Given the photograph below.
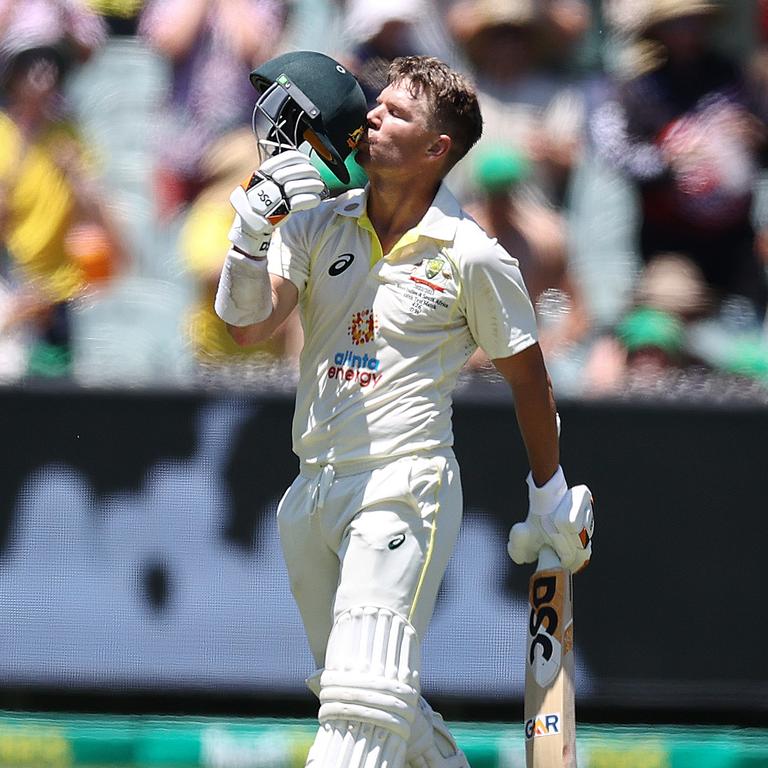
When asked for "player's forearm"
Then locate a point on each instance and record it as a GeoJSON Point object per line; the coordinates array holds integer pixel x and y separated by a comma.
{"type": "Point", "coordinates": [537, 418]}
{"type": "Point", "coordinates": [535, 408]}
{"type": "Point", "coordinates": [278, 304]}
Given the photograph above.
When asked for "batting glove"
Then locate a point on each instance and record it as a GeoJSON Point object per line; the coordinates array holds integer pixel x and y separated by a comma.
{"type": "Point", "coordinates": [283, 184]}
{"type": "Point", "coordinates": [559, 517]}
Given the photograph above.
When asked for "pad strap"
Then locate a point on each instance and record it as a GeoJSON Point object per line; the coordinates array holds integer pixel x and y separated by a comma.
{"type": "Point", "coordinates": [431, 744]}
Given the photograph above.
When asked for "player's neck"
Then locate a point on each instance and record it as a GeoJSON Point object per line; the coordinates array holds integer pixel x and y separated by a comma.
{"type": "Point", "coordinates": [395, 208]}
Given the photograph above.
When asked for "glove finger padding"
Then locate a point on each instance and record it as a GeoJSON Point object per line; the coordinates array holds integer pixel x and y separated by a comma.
{"type": "Point", "coordinates": [574, 526]}
{"type": "Point", "coordinates": [283, 184]}
{"type": "Point", "coordinates": [293, 171]}
{"type": "Point", "coordinates": [304, 202]}
{"type": "Point", "coordinates": [251, 209]}
{"type": "Point", "coordinates": [303, 194]}
{"type": "Point", "coordinates": [303, 191]}
{"type": "Point", "coordinates": [525, 541]}
{"type": "Point", "coordinates": [300, 170]}
{"type": "Point", "coordinates": [282, 160]}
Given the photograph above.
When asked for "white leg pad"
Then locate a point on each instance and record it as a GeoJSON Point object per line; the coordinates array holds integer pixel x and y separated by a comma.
{"type": "Point", "coordinates": [347, 744]}
{"type": "Point", "coordinates": [431, 744]}
{"type": "Point", "coordinates": [369, 691]}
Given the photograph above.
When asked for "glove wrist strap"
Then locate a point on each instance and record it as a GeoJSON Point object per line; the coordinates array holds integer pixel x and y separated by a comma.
{"type": "Point", "coordinates": [247, 255]}
{"type": "Point", "coordinates": [252, 245]}
{"type": "Point", "coordinates": [544, 499]}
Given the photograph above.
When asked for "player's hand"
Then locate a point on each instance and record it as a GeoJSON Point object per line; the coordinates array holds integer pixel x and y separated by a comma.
{"type": "Point", "coordinates": [559, 517]}
{"type": "Point", "coordinates": [527, 538]}
{"type": "Point", "coordinates": [283, 184]}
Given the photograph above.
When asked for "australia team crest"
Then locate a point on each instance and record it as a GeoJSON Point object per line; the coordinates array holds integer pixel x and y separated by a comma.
{"type": "Point", "coordinates": [433, 273]}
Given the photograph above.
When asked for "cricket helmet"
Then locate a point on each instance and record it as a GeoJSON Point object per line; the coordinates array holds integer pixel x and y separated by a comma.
{"type": "Point", "coordinates": [308, 96]}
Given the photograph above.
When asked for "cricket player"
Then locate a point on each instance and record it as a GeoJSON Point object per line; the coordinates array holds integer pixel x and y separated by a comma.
{"type": "Point", "coordinates": [396, 286]}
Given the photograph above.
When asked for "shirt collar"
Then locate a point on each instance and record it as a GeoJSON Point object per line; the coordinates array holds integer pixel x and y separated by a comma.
{"type": "Point", "coordinates": [438, 223]}
{"type": "Point", "coordinates": [442, 217]}
{"type": "Point", "coordinates": [352, 204]}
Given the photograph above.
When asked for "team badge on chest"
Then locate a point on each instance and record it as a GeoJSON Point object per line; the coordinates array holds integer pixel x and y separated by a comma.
{"type": "Point", "coordinates": [433, 267]}
{"type": "Point", "coordinates": [432, 273]}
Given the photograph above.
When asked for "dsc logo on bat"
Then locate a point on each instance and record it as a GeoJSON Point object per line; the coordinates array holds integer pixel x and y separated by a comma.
{"type": "Point", "coordinates": [542, 725]}
{"type": "Point", "coordinates": [548, 639]}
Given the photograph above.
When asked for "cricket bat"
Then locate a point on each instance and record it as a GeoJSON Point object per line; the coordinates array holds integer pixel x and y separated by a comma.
{"type": "Point", "coordinates": [550, 711]}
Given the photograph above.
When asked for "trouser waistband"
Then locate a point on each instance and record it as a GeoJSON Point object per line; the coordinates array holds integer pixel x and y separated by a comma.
{"type": "Point", "coordinates": [346, 468]}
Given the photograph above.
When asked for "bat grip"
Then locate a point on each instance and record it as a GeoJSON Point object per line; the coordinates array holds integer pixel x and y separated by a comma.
{"type": "Point", "coordinates": [548, 559]}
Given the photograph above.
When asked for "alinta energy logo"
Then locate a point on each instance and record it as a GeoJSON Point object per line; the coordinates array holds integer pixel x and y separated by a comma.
{"type": "Point", "coordinates": [362, 369]}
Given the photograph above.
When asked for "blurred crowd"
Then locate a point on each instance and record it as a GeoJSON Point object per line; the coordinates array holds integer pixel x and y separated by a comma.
{"type": "Point", "coordinates": [622, 162]}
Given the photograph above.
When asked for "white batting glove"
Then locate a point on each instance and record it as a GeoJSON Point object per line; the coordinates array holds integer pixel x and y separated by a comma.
{"type": "Point", "coordinates": [558, 517]}
{"type": "Point", "coordinates": [527, 538]}
{"type": "Point", "coordinates": [283, 184]}
{"type": "Point", "coordinates": [574, 523]}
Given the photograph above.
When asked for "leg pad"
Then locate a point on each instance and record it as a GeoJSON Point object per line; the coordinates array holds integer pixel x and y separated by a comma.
{"type": "Point", "coordinates": [371, 670]}
{"type": "Point", "coordinates": [369, 691]}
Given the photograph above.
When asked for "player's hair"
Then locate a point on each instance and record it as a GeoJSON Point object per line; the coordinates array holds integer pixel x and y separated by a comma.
{"type": "Point", "coordinates": [452, 100]}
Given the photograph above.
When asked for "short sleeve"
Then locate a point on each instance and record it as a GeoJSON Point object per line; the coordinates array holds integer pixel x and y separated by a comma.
{"type": "Point", "coordinates": [498, 309]}
{"type": "Point", "coordinates": [288, 254]}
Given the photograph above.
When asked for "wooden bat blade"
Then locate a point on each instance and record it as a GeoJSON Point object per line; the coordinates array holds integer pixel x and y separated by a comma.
{"type": "Point", "coordinates": [550, 711]}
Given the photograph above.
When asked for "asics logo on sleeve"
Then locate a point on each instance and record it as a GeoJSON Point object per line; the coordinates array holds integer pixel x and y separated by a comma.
{"type": "Point", "coordinates": [341, 264]}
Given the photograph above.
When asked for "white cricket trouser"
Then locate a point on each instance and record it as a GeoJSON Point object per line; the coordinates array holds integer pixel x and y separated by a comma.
{"type": "Point", "coordinates": [375, 537]}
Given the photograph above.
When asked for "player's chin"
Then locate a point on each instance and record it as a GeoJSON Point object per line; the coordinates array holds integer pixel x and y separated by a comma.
{"type": "Point", "coordinates": [363, 153]}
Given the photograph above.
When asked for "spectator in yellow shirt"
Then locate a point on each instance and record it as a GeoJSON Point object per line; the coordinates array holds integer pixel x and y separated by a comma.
{"type": "Point", "coordinates": [53, 225]}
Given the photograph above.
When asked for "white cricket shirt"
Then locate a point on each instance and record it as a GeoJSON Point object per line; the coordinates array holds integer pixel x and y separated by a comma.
{"type": "Point", "coordinates": [387, 334]}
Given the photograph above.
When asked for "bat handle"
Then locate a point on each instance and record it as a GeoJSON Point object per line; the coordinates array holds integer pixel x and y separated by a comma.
{"type": "Point", "coordinates": [548, 559]}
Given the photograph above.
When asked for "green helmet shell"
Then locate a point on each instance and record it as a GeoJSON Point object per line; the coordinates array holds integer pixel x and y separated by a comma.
{"type": "Point", "coordinates": [340, 115]}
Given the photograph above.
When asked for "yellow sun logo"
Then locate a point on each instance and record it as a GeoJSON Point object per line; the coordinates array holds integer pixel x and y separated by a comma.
{"type": "Point", "coordinates": [363, 327]}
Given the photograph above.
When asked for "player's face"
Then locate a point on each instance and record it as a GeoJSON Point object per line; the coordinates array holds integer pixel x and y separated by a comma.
{"type": "Point", "coordinates": [398, 135]}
